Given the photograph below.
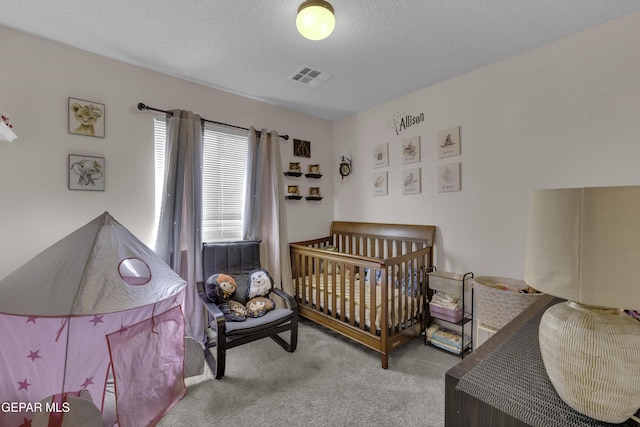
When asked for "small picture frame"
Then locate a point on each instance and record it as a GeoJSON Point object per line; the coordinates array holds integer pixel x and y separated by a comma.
{"type": "Point", "coordinates": [411, 150]}
{"type": "Point", "coordinates": [411, 181]}
{"type": "Point", "coordinates": [449, 142]}
{"type": "Point", "coordinates": [86, 173]}
{"type": "Point", "coordinates": [295, 167]}
{"type": "Point", "coordinates": [86, 117]}
{"type": "Point", "coordinates": [293, 190]}
{"type": "Point", "coordinates": [314, 191]}
{"type": "Point", "coordinates": [379, 184]}
{"type": "Point", "coordinates": [381, 155]}
{"type": "Point", "coordinates": [449, 178]}
{"type": "Point", "coordinates": [314, 169]}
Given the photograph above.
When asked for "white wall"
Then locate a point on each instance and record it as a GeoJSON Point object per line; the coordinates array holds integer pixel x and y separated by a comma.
{"type": "Point", "coordinates": [564, 115]}
{"type": "Point", "coordinates": [36, 208]}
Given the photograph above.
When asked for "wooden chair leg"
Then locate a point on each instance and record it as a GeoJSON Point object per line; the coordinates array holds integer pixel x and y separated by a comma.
{"type": "Point", "coordinates": [222, 358]}
{"type": "Point", "coordinates": [293, 341]}
{"type": "Point", "coordinates": [293, 338]}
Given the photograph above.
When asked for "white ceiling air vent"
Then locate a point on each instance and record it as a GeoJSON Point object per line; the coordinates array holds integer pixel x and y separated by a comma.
{"type": "Point", "coordinates": [309, 77]}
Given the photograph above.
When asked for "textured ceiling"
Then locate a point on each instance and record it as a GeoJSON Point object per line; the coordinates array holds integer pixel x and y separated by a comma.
{"type": "Point", "coordinates": [380, 49]}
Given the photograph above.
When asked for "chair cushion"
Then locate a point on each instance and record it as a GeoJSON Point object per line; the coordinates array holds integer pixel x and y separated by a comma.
{"type": "Point", "coordinates": [236, 259]}
{"type": "Point", "coordinates": [279, 315]}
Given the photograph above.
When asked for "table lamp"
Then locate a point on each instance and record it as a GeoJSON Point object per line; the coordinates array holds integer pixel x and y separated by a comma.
{"type": "Point", "coordinates": [583, 245]}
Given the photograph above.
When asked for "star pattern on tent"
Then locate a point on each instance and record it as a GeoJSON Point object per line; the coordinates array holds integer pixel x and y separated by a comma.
{"type": "Point", "coordinates": [24, 385]}
{"type": "Point", "coordinates": [33, 355]}
{"type": "Point", "coordinates": [87, 382]}
{"type": "Point", "coordinates": [96, 319]}
{"type": "Point", "coordinates": [31, 319]}
{"type": "Point", "coordinates": [26, 423]}
{"type": "Point", "coordinates": [122, 329]}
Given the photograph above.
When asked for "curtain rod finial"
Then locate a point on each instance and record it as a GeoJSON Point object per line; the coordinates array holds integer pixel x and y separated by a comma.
{"type": "Point", "coordinates": [141, 106]}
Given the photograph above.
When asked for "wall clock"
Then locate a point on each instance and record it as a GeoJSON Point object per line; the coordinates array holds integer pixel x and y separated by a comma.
{"type": "Point", "coordinates": [345, 167]}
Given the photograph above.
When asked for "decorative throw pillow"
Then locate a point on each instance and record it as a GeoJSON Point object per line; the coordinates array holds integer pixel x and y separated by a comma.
{"type": "Point", "coordinates": [233, 311]}
{"type": "Point", "coordinates": [219, 288]}
{"type": "Point", "coordinates": [259, 306]}
{"type": "Point", "coordinates": [260, 283]}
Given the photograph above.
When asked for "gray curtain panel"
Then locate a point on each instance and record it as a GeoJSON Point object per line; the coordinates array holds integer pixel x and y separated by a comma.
{"type": "Point", "coordinates": [265, 209]}
{"type": "Point", "coordinates": [179, 240]}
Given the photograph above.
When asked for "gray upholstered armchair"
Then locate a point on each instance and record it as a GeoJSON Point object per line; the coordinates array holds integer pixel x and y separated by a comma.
{"type": "Point", "coordinates": [238, 259]}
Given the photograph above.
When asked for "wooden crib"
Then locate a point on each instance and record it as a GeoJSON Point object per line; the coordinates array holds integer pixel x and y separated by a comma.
{"type": "Point", "coordinates": [366, 281]}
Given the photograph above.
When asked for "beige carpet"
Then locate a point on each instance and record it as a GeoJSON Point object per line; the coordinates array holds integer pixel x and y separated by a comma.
{"type": "Point", "coordinates": [328, 381]}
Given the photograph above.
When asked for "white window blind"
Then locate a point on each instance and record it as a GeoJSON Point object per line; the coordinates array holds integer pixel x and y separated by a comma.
{"type": "Point", "coordinates": [223, 179]}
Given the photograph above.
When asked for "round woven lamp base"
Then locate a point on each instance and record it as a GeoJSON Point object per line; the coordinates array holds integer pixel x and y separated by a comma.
{"type": "Point", "coordinates": [592, 357]}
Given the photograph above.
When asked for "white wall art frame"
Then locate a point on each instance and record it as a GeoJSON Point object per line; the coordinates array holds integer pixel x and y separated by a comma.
{"type": "Point", "coordinates": [411, 182]}
{"type": "Point", "coordinates": [86, 117]}
{"type": "Point", "coordinates": [411, 150]}
{"type": "Point", "coordinates": [381, 155]}
{"type": "Point", "coordinates": [379, 184]}
{"type": "Point", "coordinates": [86, 173]}
{"type": "Point", "coordinates": [449, 177]}
{"type": "Point", "coordinates": [448, 142]}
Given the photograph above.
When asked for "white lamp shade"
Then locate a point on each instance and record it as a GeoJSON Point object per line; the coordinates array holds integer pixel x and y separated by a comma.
{"type": "Point", "coordinates": [315, 19]}
{"type": "Point", "coordinates": [583, 245]}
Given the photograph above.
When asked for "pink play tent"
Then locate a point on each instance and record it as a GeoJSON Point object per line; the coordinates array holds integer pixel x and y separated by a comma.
{"type": "Point", "coordinates": [97, 314]}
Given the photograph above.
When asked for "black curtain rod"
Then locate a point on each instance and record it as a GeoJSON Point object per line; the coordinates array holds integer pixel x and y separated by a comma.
{"type": "Point", "coordinates": [142, 107]}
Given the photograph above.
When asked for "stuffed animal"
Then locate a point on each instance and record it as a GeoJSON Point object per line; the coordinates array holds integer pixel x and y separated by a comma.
{"type": "Point", "coordinates": [233, 311]}
{"type": "Point", "coordinates": [259, 306]}
{"type": "Point", "coordinates": [260, 283]}
{"type": "Point", "coordinates": [260, 286]}
{"type": "Point", "coordinates": [220, 287]}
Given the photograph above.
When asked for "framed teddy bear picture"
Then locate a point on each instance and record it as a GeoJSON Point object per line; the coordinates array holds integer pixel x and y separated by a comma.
{"type": "Point", "coordinates": [86, 118]}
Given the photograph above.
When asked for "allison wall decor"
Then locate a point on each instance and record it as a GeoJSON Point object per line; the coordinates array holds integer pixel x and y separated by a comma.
{"type": "Point", "coordinates": [86, 118]}
{"type": "Point", "coordinates": [86, 173]}
{"type": "Point", "coordinates": [411, 150]}
{"type": "Point", "coordinates": [449, 142]}
{"type": "Point", "coordinates": [449, 177]}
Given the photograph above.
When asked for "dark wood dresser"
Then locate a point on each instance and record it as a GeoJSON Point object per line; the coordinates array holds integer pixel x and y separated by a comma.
{"type": "Point", "coordinates": [503, 382]}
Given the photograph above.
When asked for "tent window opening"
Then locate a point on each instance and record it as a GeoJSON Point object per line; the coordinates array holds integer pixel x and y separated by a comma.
{"type": "Point", "coordinates": [223, 178]}
{"type": "Point", "coordinates": [134, 271]}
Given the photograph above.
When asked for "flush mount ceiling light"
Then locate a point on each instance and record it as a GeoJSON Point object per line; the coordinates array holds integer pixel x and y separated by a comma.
{"type": "Point", "coordinates": [315, 19]}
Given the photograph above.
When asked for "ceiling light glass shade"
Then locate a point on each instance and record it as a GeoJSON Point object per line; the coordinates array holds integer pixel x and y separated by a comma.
{"type": "Point", "coordinates": [315, 19]}
{"type": "Point", "coordinates": [583, 245]}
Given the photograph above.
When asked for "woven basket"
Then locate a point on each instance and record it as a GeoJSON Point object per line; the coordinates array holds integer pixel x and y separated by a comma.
{"type": "Point", "coordinates": [496, 307]}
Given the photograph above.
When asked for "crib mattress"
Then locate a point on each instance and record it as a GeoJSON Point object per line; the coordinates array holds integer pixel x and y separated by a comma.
{"type": "Point", "coordinates": [401, 304]}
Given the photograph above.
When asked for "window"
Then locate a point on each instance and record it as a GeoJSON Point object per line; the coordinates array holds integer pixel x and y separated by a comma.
{"type": "Point", "coordinates": [223, 176]}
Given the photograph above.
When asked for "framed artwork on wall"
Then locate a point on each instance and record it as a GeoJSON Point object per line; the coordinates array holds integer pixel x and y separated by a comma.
{"type": "Point", "coordinates": [381, 155]}
{"type": "Point", "coordinates": [301, 148]}
{"type": "Point", "coordinates": [86, 173]}
{"type": "Point", "coordinates": [411, 181]}
{"type": "Point", "coordinates": [449, 177]}
{"type": "Point", "coordinates": [86, 117]}
{"type": "Point", "coordinates": [380, 185]}
{"type": "Point", "coordinates": [411, 150]}
{"type": "Point", "coordinates": [449, 142]}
